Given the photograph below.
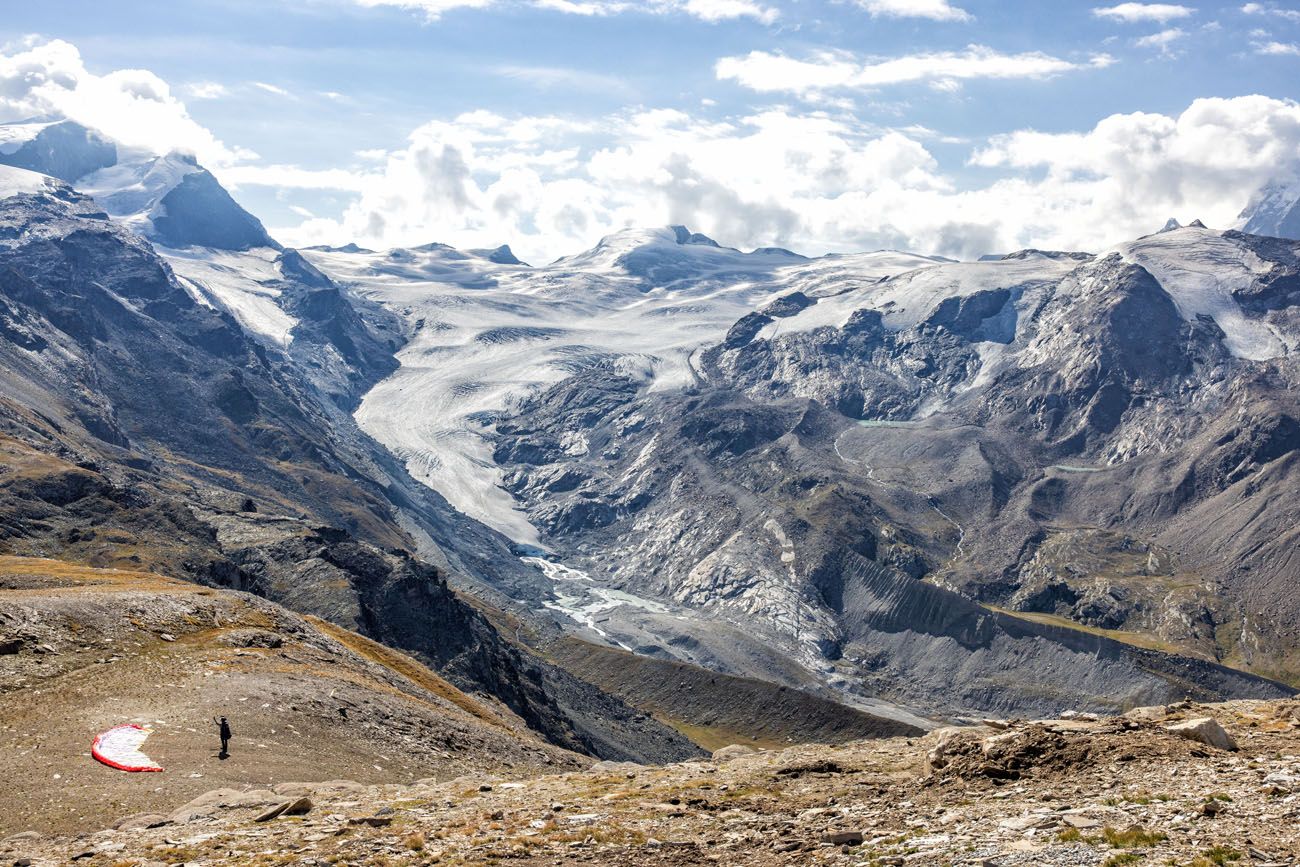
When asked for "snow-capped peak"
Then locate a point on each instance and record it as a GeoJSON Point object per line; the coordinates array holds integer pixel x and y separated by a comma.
{"type": "Point", "coordinates": [62, 149]}
{"type": "Point", "coordinates": [1275, 210]}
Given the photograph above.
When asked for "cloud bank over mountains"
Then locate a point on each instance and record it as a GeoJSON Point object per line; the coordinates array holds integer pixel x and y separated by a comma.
{"type": "Point", "coordinates": [813, 180]}
{"type": "Point", "coordinates": [40, 78]}
{"type": "Point", "coordinates": [807, 176]}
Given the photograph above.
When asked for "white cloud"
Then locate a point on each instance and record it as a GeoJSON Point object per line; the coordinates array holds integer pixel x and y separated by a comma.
{"type": "Point", "coordinates": [432, 9]}
{"type": "Point", "coordinates": [705, 10]}
{"type": "Point", "coordinates": [937, 10]}
{"type": "Point", "coordinates": [205, 90]}
{"type": "Point", "coordinates": [1278, 49]}
{"type": "Point", "coordinates": [550, 77]}
{"type": "Point", "coordinates": [1131, 12]}
{"type": "Point", "coordinates": [272, 89]}
{"type": "Point", "coordinates": [1162, 41]}
{"type": "Point", "coordinates": [829, 70]}
{"type": "Point", "coordinates": [133, 106]}
{"type": "Point", "coordinates": [812, 180]}
{"type": "Point", "coordinates": [1271, 9]}
{"type": "Point", "coordinates": [722, 10]}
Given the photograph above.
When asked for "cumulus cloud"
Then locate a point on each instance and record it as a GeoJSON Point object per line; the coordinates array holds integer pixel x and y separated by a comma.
{"type": "Point", "coordinates": [205, 90]}
{"type": "Point", "coordinates": [1271, 9]}
{"type": "Point", "coordinates": [133, 106]}
{"type": "Point", "coordinates": [829, 70]}
{"type": "Point", "coordinates": [1134, 12]}
{"type": "Point", "coordinates": [705, 10]}
{"type": "Point", "coordinates": [813, 180]}
{"type": "Point", "coordinates": [1278, 49]}
{"type": "Point", "coordinates": [937, 10]}
{"type": "Point", "coordinates": [1162, 41]}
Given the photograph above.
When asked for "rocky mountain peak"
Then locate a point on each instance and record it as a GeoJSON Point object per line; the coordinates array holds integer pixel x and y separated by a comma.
{"type": "Point", "coordinates": [1274, 210]}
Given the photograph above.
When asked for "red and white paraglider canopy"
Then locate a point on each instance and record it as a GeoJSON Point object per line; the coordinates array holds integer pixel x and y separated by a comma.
{"type": "Point", "coordinates": [119, 747]}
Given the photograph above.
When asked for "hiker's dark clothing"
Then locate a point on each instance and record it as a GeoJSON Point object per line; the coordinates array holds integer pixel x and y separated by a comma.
{"type": "Point", "coordinates": [225, 737]}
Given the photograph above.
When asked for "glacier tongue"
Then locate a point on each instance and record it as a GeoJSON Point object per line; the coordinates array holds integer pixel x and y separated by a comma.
{"type": "Point", "coordinates": [484, 335]}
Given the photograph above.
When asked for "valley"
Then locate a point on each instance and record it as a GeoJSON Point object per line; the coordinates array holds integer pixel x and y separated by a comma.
{"type": "Point", "coordinates": [457, 517]}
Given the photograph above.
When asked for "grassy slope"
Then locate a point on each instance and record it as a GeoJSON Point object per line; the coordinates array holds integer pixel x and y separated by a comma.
{"type": "Point", "coordinates": [715, 710]}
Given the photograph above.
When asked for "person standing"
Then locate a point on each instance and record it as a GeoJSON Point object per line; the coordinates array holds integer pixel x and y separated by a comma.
{"type": "Point", "coordinates": [223, 729]}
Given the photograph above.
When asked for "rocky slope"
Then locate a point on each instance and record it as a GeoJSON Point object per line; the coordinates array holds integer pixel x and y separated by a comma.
{"type": "Point", "coordinates": [1052, 793]}
{"type": "Point", "coordinates": [1095, 442]}
{"type": "Point", "coordinates": [715, 710]}
{"type": "Point", "coordinates": [744, 510]}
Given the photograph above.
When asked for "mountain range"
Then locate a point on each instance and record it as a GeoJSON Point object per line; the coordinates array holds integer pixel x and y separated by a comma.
{"type": "Point", "coordinates": [904, 487]}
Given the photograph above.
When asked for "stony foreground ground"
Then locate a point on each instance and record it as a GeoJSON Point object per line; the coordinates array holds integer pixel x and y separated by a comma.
{"type": "Point", "coordinates": [1121, 791]}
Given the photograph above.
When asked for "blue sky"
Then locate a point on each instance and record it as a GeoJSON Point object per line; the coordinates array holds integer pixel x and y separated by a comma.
{"type": "Point", "coordinates": [544, 123]}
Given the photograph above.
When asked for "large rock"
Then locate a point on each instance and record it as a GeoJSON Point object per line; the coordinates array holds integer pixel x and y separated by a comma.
{"type": "Point", "coordinates": [207, 804]}
{"type": "Point", "coordinates": [296, 807]}
{"type": "Point", "coordinates": [1206, 731]}
{"type": "Point", "coordinates": [944, 739]}
{"type": "Point", "coordinates": [734, 751]}
{"type": "Point", "coordinates": [141, 821]}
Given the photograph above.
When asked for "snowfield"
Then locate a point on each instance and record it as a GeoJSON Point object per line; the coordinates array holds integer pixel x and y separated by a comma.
{"type": "Point", "coordinates": [237, 282]}
{"type": "Point", "coordinates": [909, 297]}
{"type": "Point", "coordinates": [18, 182]}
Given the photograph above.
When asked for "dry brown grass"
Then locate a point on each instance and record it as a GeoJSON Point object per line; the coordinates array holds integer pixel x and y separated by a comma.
{"type": "Point", "coordinates": [408, 668]}
{"type": "Point", "coordinates": [60, 574]}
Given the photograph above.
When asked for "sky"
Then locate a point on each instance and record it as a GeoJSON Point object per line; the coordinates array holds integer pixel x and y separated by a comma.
{"type": "Point", "coordinates": [951, 127]}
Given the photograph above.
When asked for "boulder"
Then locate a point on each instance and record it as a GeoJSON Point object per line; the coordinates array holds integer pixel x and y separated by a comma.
{"type": "Point", "coordinates": [300, 807]}
{"type": "Point", "coordinates": [944, 739]}
{"type": "Point", "coordinates": [296, 807]}
{"type": "Point", "coordinates": [1025, 823]}
{"type": "Point", "coordinates": [1283, 782]}
{"type": "Point", "coordinates": [141, 821]}
{"type": "Point", "coordinates": [608, 766]}
{"type": "Point", "coordinates": [372, 821]}
{"type": "Point", "coordinates": [734, 751]}
{"type": "Point", "coordinates": [1205, 730]}
{"type": "Point", "coordinates": [204, 806]}
{"type": "Point", "coordinates": [1149, 713]}
{"type": "Point", "coordinates": [1081, 822]}
{"type": "Point", "coordinates": [251, 638]}
{"type": "Point", "coordinates": [844, 838]}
